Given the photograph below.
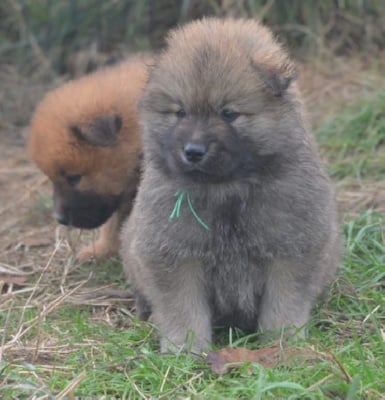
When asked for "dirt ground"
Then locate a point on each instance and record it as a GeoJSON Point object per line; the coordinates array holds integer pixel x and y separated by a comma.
{"type": "Point", "coordinates": [30, 240]}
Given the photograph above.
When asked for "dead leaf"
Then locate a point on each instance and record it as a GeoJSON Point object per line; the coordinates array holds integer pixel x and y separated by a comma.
{"type": "Point", "coordinates": [225, 359]}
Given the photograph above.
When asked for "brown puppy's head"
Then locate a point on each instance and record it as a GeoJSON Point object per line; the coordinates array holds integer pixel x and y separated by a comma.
{"type": "Point", "coordinates": [85, 137]}
{"type": "Point", "coordinates": [86, 208]}
{"type": "Point", "coordinates": [219, 104]}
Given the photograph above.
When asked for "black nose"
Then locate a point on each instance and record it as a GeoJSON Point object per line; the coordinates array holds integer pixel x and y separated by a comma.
{"type": "Point", "coordinates": [194, 152]}
{"type": "Point", "coordinates": [61, 218]}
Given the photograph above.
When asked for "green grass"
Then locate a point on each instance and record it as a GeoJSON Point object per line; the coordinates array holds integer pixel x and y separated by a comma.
{"type": "Point", "coordinates": [105, 351]}
{"type": "Point", "coordinates": [124, 362]}
{"type": "Point", "coordinates": [354, 141]}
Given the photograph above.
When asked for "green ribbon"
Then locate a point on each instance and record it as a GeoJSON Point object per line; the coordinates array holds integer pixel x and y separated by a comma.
{"type": "Point", "coordinates": [181, 194]}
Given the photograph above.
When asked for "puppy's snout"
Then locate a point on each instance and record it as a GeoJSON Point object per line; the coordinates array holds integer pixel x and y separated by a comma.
{"type": "Point", "coordinates": [194, 152]}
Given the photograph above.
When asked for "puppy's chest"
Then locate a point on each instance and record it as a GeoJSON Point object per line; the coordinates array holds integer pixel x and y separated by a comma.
{"type": "Point", "coordinates": [234, 290]}
{"type": "Point", "coordinates": [234, 270]}
{"type": "Point", "coordinates": [215, 232]}
{"type": "Point", "coordinates": [234, 267]}
{"type": "Point", "coordinates": [216, 237]}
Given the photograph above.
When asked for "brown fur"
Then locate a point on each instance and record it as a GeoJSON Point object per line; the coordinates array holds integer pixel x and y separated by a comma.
{"type": "Point", "coordinates": [223, 123]}
{"type": "Point", "coordinates": [108, 171]}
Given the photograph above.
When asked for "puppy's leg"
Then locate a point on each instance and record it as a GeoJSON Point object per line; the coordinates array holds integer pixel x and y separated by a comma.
{"type": "Point", "coordinates": [107, 243]}
{"type": "Point", "coordinates": [290, 290]}
{"type": "Point", "coordinates": [180, 309]}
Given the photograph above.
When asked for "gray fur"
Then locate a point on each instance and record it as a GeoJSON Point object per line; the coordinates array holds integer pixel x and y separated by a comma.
{"type": "Point", "coordinates": [273, 239]}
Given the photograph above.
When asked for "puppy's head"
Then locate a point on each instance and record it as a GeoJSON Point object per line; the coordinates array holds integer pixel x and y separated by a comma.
{"type": "Point", "coordinates": [81, 167]}
{"type": "Point", "coordinates": [85, 137]}
{"type": "Point", "coordinates": [220, 103]}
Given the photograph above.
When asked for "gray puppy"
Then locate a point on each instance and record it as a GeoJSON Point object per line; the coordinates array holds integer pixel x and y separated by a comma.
{"type": "Point", "coordinates": [235, 219]}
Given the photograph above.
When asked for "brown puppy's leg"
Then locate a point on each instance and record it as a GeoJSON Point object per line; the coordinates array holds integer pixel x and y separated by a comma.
{"type": "Point", "coordinates": [107, 243]}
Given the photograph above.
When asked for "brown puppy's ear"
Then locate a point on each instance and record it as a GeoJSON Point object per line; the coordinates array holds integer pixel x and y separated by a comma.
{"type": "Point", "coordinates": [102, 131]}
{"type": "Point", "coordinates": [276, 76]}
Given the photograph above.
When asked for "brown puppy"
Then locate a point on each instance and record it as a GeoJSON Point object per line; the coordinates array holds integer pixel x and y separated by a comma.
{"type": "Point", "coordinates": [85, 137]}
{"type": "Point", "coordinates": [251, 237]}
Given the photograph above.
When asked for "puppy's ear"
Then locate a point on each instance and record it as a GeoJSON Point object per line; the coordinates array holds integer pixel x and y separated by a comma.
{"type": "Point", "coordinates": [101, 131]}
{"type": "Point", "coordinates": [277, 76]}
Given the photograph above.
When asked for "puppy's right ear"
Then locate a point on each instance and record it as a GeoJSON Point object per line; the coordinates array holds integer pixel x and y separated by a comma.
{"type": "Point", "coordinates": [277, 75]}
{"type": "Point", "coordinates": [101, 131]}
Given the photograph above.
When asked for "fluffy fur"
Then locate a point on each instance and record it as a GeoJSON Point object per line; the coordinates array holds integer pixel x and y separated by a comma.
{"type": "Point", "coordinates": [223, 124]}
{"type": "Point", "coordinates": [86, 138]}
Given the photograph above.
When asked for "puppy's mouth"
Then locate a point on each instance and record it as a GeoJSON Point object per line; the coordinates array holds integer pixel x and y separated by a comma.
{"type": "Point", "coordinates": [197, 175]}
{"type": "Point", "coordinates": [198, 169]}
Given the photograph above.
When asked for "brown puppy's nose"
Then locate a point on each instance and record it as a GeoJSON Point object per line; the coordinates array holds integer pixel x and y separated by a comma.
{"type": "Point", "coordinates": [194, 152]}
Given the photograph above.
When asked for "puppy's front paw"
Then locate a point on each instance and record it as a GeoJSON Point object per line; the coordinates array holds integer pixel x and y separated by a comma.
{"type": "Point", "coordinates": [190, 344]}
{"type": "Point", "coordinates": [96, 252]}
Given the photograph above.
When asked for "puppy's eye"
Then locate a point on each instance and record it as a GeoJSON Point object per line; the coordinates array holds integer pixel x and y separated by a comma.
{"type": "Point", "coordinates": [73, 180]}
{"type": "Point", "coordinates": [181, 113]}
{"type": "Point", "coordinates": [229, 115]}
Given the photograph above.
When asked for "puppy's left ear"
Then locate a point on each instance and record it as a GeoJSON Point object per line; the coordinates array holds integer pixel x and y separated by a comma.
{"type": "Point", "coordinates": [101, 131]}
{"type": "Point", "coordinates": [277, 75]}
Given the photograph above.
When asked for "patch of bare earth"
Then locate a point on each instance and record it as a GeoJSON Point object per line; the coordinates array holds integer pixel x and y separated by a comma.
{"type": "Point", "coordinates": [37, 268]}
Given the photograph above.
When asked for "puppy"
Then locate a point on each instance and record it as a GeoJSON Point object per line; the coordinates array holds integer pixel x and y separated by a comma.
{"type": "Point", "coordinates": [235, 220]}
{"type": "Point", "coordinates": [86, 138]}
